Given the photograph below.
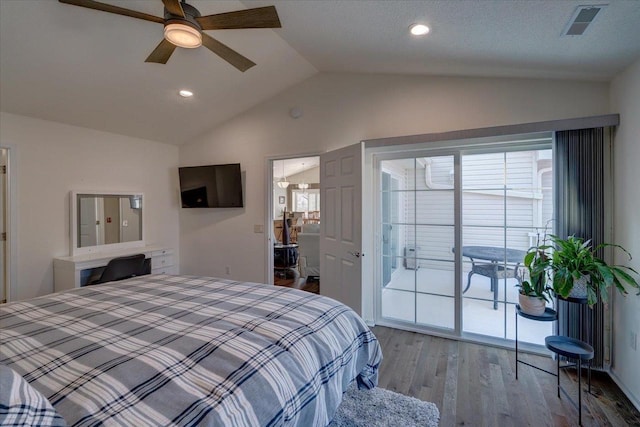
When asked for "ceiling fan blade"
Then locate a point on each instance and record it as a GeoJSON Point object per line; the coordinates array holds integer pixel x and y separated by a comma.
{"type": "Point", "coordinates": [174, 7]}
{"type": "Point", "coordinates": [259, 17]}
{"type": "Point", "coordinates": [162, 52]}
{"type": "Point", "coordinates": [113, 9]}
{"type": "Point", "coordinates": [226, 53]}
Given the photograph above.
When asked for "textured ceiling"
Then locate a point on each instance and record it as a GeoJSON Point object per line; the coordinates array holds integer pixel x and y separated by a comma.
{"type": "Point", "coordinates": [86, 68]}
{"type": "Point", "coordinates": [515, 38]}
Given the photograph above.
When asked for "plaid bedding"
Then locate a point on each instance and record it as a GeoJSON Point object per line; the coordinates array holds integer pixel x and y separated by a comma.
{"type": "Point", "coordinates": [22, 405]}
{"type": "Point", "coordinates": [188, 351]}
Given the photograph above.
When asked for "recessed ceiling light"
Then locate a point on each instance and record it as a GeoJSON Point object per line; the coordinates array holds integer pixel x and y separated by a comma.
{"type": "Point", "coordinates": [186, 93]}
{"type": "Point", "coordinates": [419, 29]}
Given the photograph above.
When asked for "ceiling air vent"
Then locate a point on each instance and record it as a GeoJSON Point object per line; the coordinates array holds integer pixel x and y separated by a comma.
{"type": "Point", "coordinates": [582, 18]}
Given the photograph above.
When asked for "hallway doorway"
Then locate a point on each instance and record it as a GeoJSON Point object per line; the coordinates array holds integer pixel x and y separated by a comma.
{"type": "Point", "coordinates": [295, 222]}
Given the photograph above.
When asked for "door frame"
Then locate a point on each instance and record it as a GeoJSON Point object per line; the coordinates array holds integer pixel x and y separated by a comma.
{"type": "Point", "coordinates": [373, 156]}
{"type": "Point", "coordinates": [11, 214]}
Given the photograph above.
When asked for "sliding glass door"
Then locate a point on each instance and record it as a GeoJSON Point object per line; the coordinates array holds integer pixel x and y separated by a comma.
{"type": "Point", "coordinates": [417, 229]}
{"type": "Point", "coordinates": [502, 203]}
{"type": "Point", "coordinates": [506, 204]}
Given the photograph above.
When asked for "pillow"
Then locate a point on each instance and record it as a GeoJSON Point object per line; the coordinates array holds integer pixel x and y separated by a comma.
{"type": "Point", "coordinates": [23, 405]}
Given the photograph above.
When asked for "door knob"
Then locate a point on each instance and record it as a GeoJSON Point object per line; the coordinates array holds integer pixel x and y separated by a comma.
{"type": "Point", "coordinates": [356, 254]}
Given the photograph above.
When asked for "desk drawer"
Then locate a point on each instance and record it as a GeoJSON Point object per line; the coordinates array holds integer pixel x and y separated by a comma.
{"type": "Point", "coordinates": [165, 270]}
{"type": "Point", "coordinates": [161, 252]}
{"type": "Point", "coordinates": [161, 261]}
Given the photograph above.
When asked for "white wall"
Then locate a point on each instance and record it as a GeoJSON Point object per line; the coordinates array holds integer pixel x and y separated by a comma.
{"type": "Point", "coordinates": [625, 99]}
{"type": "Point", "coordinates": [343, 109]}
{"type": "Point", "coordinates": [52, 159]}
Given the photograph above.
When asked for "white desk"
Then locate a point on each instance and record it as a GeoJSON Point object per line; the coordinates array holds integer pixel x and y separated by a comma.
{"type": "Point", "coordinates": [72, 271]}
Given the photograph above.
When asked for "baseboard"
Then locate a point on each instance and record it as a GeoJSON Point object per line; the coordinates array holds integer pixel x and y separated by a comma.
{"type": "Point", "coordinates": [633, 398]}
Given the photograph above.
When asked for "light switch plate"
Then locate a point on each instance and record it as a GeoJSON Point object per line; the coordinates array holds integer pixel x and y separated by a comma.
{"type": "Point", "coordinates": [258, 228]}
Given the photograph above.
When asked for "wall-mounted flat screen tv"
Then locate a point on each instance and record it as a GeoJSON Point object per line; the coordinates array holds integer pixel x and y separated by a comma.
{"type": "Point", "coordinates": [212, 186]}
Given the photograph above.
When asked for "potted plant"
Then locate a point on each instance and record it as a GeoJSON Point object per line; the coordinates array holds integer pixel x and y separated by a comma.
{"type": "Point", "coordinates": [578, 272]}
{"type": "Point", "coordinates": [534, 293]}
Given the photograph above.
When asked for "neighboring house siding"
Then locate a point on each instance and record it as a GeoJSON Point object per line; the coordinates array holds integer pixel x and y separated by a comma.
{"type": "Point", "coordinates": [433, 210]}
{"type": "Point", "coordinates": [483, 211]}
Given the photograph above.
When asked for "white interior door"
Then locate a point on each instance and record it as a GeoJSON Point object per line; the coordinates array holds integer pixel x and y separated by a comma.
{"type": "Point", "coordinates": [341, 225]}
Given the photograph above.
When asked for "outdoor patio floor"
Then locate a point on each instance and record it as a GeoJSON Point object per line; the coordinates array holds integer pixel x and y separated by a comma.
{"type": "Point", "coordinates": [433, 305]}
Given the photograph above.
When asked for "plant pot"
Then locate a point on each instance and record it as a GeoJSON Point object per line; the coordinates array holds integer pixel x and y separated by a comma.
{"type": "Point", "coordinates": [579, 289]}
{"type": "Point", "coordinates": [533, 306]}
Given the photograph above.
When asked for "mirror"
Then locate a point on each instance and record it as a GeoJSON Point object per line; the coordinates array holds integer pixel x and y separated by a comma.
{"type": "Point", "coordinates": [106, 221]}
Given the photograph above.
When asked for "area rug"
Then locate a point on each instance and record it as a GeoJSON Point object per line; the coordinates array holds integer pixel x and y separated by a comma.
{"type": "Point", "coordinates": [383, 408]}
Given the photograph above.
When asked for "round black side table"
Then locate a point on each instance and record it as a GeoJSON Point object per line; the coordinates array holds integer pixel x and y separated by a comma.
{"type": "Point", "coordinates": [574, 349]}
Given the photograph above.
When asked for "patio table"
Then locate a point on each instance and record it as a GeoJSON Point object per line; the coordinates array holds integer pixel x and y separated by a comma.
{"type": "Point", "coordinates": [497, 268]}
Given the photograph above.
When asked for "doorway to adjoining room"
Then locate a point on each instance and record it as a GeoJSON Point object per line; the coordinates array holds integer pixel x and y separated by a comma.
{"type": "Point", "coordinates": [295, 216]}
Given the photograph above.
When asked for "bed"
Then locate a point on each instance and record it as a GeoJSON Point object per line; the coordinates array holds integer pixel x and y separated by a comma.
{"type": "Point", "coordinates": [190, 351]}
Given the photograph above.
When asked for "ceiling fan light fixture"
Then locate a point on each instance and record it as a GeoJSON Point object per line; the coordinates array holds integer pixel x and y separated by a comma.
{"type": "Point", "coordinates": [182, 35]}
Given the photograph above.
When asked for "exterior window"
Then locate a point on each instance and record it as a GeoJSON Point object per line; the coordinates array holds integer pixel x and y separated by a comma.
{"type": "Point", "coordinates": [305, 201]}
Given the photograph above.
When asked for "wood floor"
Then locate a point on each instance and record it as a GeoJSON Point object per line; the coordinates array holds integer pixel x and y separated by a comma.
{"type": "Point", "coordinates": [306, 284]}
{"type": "Point", "coordinates": [475, 385]}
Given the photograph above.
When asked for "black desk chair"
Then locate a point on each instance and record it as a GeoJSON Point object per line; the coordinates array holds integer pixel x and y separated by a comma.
{"type": "Point", "coordinates": [123, 268]}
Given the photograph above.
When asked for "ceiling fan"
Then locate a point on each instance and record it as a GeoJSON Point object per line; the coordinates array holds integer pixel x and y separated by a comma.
{"type": "Point", "coordinates": [184, 27]}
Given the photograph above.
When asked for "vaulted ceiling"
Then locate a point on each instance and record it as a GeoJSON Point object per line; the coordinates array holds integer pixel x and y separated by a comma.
{"type": "Point", "coordinates": [86, 68]}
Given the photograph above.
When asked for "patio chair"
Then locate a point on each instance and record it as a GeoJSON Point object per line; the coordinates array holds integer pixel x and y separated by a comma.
{"type": "Point", "coordinates": [495, 271]}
